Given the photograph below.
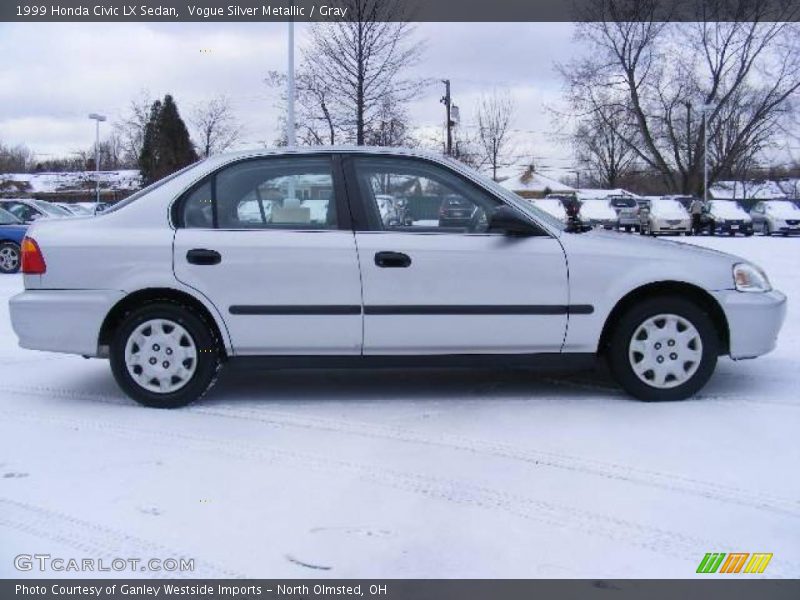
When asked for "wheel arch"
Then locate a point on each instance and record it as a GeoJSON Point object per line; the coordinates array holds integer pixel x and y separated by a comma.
{"type": "Point", "coordinates": [145, 296]}
{"type": "Point", "coordinates": [696, 294]}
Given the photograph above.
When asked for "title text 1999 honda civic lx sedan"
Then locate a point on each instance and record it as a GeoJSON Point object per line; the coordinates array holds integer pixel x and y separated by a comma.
{"type": "Point", "coordinates": [284, 259]}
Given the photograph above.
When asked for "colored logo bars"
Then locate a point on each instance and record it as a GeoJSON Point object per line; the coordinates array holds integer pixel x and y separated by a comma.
{"type": "Point", "coordinates": [735, 562]}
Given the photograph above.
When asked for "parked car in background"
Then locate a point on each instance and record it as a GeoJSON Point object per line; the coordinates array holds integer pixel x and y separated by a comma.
{"type": "Point", "coordinates": [776, 216]}
{"type": "Point", "coordinates": [12, 230]}
{"type": "Point", "coordinates": [627, 212]}
{"type": "Point", "coordinates": [518, 289]}
{"type": "Point", "coordinates": [553, 206]}
{"type": "Point", "coordinates": [686, 201]}
{"type": "Point", "coordinates": [667, 215]}
{"type": "Point", "coordinates": [458, 212]}
{"type": "Point", "coordinates": [29, 210]}
{"type": "Point", "coordinates": [79, 210]}
{"type": "Point", "coordinates": [598, 213]}
{"type": "Point", "coordinates": [728, 217]}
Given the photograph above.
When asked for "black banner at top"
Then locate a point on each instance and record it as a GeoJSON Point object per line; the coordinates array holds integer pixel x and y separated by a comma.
{"type": "Point", "coordinates": [397, 10]}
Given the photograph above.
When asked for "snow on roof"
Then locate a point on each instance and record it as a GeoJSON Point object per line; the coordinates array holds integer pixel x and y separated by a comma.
{"type": "Point", "coordinates": [525, 179]}
{"type": "Point", "coordinates": [740, 190]}
{"type": "Point", "coordinates": [599, 194]}
{"type": "Point", "coordinates": [48, 183]}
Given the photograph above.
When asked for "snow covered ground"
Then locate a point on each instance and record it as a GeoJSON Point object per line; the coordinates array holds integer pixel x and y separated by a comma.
{"type": "Point", "coordinates": [407, 474]}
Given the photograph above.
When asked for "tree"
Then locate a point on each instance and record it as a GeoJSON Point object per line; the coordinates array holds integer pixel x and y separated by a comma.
{"type": "Point", "coordinates": [166, 147]}
{"type": "Point", "coordinates": [130, 128]}
{"type": "Point", "coordinates": [216, 126]}
{"type": "Point", "coordinates": [495, 113]}
{"type": "Point", "coordinates": [741, 59]}
{"type": "Point", "coordinates": [316, 123]}
{"type": "Point", "coordinates": [352, 65]}
{"type": "Point", "coordinates": [390, 126]}
{"type": "Point", "coordinates": [16, 159]}
{"type": "Point", "coordinates": [600, 149]}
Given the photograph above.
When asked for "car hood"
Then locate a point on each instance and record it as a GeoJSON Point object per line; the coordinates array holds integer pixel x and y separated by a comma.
{"type": "Point", "coordinates": [624, 261]}
{"type": "Point", "coordinates": [14, 227]}
{"type": "Point", "coordinates": [646, 247]}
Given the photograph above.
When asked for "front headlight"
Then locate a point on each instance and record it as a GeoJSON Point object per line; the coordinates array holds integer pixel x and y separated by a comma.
{"type": "Point", "coordinates": [749, 278]}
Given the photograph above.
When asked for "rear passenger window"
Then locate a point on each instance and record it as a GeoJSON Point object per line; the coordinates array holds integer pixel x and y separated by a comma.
{"type": "Point", "coordinates": [280, 193]}
{"type": "Point", "coordinates": [294, 193]}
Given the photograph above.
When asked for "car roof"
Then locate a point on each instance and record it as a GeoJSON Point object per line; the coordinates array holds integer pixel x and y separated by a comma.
{"type": "Point", "coordinates": [220, 159]}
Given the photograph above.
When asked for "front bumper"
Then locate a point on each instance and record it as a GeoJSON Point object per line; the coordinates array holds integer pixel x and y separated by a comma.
{"type": "Point", "coordinates": [61, 320]}
{"type": "Point", "coordinates": [665, 227]}
{"type": "Point", "coordinates": [726, 227]}
{"type": "Point", "coordinates": [754, 321]}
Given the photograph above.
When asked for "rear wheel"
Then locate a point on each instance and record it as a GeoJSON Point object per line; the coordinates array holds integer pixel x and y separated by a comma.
{"type": "Point", "coordinates": [664, 348]}
{"type": "Point", "coordinates": [164, 355]}
{"type": "Point", "coordinates": [9, 257]}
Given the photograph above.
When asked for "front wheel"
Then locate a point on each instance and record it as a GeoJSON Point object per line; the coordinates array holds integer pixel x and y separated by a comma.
{"type": "Point", "coordinates": [164, 355]}
{"type": "Point", "coordinates": [9, 257]}
{"type": "Point", "coordinates": [663, 348]}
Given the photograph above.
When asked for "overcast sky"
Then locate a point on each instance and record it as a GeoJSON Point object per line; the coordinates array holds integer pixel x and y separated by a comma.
{"type": "Point", "coordinates": [52, 75]}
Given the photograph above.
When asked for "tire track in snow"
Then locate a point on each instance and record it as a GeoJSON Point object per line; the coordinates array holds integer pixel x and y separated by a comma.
{"type": "Point", "coordinates": [95, 540]}
{"type": "Point", "coordinates": [720, 397]}
{"type": "Point", "coordinates": [607, 470]}
{"type": "Point", "coordinates": [656, 539]}
{"type": "Point", "coordinates": [537, 458]}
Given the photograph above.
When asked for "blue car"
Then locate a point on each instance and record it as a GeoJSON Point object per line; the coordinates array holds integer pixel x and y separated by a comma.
{"type": "Point", "coordinates": [12, 230]}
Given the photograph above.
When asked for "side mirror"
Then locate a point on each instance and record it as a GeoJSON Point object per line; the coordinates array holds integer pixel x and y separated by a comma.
{"type": "Point", "coordinates": [506, 220]}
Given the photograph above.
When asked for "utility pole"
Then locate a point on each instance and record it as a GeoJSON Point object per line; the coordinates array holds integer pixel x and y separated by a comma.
{"type": "Point", "coordinates": [446, 100]}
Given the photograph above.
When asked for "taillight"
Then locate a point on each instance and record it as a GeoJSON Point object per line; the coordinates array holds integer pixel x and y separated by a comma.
{"type": "Point", "coordinates": [32, 258]}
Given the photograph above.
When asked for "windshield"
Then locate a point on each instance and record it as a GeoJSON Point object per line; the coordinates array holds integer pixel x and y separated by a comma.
{"type": "Point", "coordinates": [727, 208]}
{"type": "Point", "coordinates": [783, 209]}
{"type": "Point", "coordinates": [6, 218]}
{"type": "Point", "coordinates": [665, 206]}
{"type": "Point", "coordinates": [51, 209]}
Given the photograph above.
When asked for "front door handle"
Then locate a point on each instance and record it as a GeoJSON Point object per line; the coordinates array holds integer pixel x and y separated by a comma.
{"type": "Point", "coordinates": [392, 260]}
{"type": "Point", "coordinates": [201, 256]}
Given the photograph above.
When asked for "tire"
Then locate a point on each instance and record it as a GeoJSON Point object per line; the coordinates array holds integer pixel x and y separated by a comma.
{"type": "Point", "coordinates": [9, 257]}
{"type": "Point", "coordinates": [621, 352]}
{"type": "Point", "coordinates": [179, 330]}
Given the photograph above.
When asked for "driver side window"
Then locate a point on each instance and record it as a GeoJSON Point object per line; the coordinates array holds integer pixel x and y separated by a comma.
{"type": "Point", "coordinates": [416, 196]}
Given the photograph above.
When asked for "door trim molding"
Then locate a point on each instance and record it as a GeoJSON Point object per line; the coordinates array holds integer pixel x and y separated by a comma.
{"type": "Point", "coordinates": [415, 309]}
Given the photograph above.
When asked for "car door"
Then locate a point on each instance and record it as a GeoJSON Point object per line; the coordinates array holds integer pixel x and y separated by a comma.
{"type": "Point", "coordinates": [435, 281]}
{"type": "Point", "coordinates": [266, 240]}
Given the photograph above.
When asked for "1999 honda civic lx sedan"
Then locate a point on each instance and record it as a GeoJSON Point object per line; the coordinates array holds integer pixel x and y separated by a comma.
{"type": "Point", "coordinates": [283, 259]}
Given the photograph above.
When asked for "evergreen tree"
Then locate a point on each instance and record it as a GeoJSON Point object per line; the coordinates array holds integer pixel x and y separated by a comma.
{"type": "Point", "coordinates": [148, 156]}
{"type": "Point", "coordinates": [166, 147]}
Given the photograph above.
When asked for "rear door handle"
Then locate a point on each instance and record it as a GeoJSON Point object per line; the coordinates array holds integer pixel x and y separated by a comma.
{"type": "Point", "coordinates": [392, 260]}
{"type": "Point", "coordinates": [201, 256]}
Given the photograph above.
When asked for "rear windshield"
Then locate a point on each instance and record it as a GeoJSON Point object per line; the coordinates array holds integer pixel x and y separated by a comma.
{"type": "Point", "coordinates": [623, 202]}
{"type": "Point", "coordinates": [146, 190]}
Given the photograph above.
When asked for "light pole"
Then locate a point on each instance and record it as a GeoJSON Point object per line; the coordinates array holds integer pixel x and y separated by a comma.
{"type": "Point", "coordinates": [290, 135]}
{"type": "Point", "coordinates": [705, 109]}
{"type": "Point", "coordinates": [97, 118]}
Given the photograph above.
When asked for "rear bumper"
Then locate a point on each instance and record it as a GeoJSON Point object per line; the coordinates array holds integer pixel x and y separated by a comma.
{"type": "Point", "coordinates": [754, 321]}
{"type": "Point", "coordinates": [61, 320]}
